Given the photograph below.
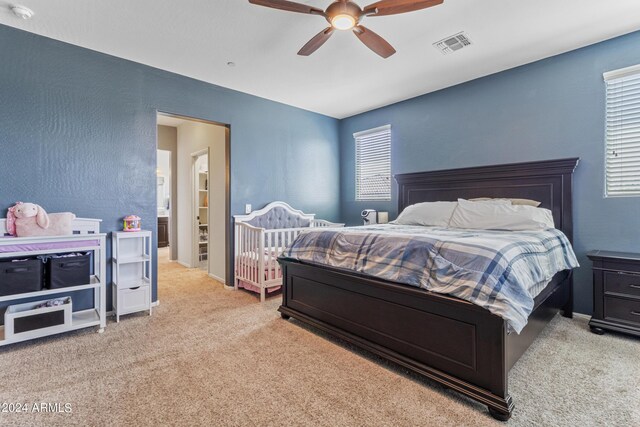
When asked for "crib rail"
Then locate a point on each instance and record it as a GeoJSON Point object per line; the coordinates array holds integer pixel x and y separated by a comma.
{"type": "Point", "coordinates": [256, 255]}
{"type": "Point", "coordinates": [276, 241]}
{"type": "Point", "coordinates": [248, 246]}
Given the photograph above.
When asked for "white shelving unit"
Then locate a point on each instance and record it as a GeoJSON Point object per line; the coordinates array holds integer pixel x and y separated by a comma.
{"type": "Point", "coordinates": [88, 232]}
{"type": "Point", "coordinates": [203, 215]}
{"type": "Point", "coordinates": [132, 272]}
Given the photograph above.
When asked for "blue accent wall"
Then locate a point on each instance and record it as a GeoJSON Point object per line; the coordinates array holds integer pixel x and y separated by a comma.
{"type": "Point", "coordinates": [549, 109]}
{"type": "Point", "coordinates": [78, 133]}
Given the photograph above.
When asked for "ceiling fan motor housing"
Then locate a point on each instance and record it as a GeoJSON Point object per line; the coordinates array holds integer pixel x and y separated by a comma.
{"type": "Point", "coordinates": [343, 8]}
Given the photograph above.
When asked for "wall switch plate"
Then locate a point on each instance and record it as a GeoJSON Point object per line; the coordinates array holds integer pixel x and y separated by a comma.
{"type": "Point", "coordinates": [247, 208]}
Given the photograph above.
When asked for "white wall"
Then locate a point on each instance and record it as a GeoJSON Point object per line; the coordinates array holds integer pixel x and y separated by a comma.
{"type": "Point", "coordinates": [192, 137]}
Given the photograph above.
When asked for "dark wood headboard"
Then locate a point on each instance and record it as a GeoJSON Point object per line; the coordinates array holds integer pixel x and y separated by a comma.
{"type": "Point", "coordinates": [548, 181]}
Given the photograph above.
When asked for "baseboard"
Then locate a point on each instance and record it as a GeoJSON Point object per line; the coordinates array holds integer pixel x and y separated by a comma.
{"type": "Point", "coordinates": [582, 316]}
{"type": "Point", "coordinates": [229, 288]}
{"type": "Point", "coordinates": [155, 303]}
{"type": "Point", "coordinates": [184, 264]}
{"type": "Point", "coordinates": [218, 279]}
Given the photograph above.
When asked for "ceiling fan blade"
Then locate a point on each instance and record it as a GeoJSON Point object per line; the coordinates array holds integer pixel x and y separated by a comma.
{"type": "Point", "coordinates": [288, 6]}
{"type": "Point", "coordinates": [317, 41]}
{"type": "Point", "coordinates": [374, 41]}
{"type": "Point", "coordinates": [393, 7]}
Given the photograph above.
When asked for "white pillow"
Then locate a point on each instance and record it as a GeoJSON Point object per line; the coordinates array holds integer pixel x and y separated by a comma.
{"type": "Point", "coordinates": [427, 213]}
{"type": "Point", "coordinates": [494, 216]}
{"type": "Point", "coordinates": [494, 201]}
{"type": "Point", "coordinates": [527, 202]}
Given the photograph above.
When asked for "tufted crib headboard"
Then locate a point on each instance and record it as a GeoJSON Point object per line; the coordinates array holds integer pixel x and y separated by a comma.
{"type": "Point", "coordinates": [277, 215]}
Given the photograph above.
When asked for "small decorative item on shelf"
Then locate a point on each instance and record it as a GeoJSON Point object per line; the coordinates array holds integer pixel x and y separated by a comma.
{"type": "Point", "coordinates": [132, 223]}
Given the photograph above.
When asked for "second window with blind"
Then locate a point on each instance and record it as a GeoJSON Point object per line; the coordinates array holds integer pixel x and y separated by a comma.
{"type": "Point", "coordinates": [373, 163]}
{"type": "Point", "coordinates": [622, 151]}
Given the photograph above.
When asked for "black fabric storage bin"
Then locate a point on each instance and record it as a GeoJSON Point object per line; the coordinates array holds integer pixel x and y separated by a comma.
{"type": "Point", "coordinates": [68, 271]}
{"type": "Point", "coordinates": [20, 276]}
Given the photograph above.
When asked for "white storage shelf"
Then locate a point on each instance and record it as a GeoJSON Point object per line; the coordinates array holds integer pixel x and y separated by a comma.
{"type": "Point", "coordinates": [131, 259]}
{"type": "Point", "coordinates": [132, 272]}
{"type": "Point", "coordinates": [94, 283]}
{"type": "Point", "coordinates": [203, 214]}
{"type": "Point", "coordinates": [88, 229]}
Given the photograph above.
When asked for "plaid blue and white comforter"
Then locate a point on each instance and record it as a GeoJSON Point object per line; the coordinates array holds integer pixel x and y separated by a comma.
{"type": "Point", "coordinates": [502, 271]}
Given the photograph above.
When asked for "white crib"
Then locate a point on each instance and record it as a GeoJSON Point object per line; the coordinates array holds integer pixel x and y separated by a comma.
{"type": "Point", "coordinates": [260, 237]}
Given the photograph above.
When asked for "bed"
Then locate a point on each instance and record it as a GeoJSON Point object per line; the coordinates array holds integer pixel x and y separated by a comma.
{"type": "Point", "coordinates": [260, 237]}
{"type": "Point", "coordinates": [456, 343]}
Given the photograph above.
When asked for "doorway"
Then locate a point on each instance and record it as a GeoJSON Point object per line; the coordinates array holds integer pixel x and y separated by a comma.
{"type": "Point", "coordinates": [198, 209]}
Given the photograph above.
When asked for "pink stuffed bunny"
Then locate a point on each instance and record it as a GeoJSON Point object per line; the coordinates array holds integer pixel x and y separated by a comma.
{"type": "Point", "coordinates": [29, 219]}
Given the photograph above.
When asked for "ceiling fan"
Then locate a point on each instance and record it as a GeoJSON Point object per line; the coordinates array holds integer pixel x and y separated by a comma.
{"type": "Point", "coordinates": [346, 15]}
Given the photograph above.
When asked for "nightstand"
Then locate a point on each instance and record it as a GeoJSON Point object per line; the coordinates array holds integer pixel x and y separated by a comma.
{"type": "Point", "coordinates": [616, 292]}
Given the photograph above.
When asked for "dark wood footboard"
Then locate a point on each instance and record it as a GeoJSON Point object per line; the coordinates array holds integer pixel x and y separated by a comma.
{"type": "Point", "coordinates": [451, 341]}
{"type": "Point", "coordinates": [458, 344]}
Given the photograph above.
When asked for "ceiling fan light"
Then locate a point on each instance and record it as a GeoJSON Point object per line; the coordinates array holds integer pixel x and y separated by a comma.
{"type": "Point", "coordinates": [343, 22]}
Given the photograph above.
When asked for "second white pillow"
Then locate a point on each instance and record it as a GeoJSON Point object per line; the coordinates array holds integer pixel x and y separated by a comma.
{"type": "Point", "coordinates": [494, 216]}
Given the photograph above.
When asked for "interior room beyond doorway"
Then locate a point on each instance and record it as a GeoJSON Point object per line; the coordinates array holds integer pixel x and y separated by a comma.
{"type": "Point", "coordinates": [192, 194]}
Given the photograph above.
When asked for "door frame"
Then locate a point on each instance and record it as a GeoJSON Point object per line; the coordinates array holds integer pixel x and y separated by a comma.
{"type": "Point", "coordinates": [228, 235]}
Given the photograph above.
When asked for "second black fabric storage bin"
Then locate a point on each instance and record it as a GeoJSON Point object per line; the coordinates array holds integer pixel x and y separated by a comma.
{"type": "Point", "coordinates": [68, 270]}
{"type": "Point", "coordinates": [20, 275]}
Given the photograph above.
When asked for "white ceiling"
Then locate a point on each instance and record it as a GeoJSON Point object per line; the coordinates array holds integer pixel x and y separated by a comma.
{"type": "Point", "coordinates": [197, 38]}
{"type": "Point", "coordinates": [170, 120]}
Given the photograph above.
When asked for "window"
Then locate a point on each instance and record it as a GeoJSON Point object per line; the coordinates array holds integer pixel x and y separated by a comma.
{"type": "Point", "coordinates": [373, 164]}
{"type": "Point", "coordinates": [622, 152]}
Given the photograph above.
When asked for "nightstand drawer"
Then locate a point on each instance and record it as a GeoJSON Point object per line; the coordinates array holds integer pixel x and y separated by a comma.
{"type": "Point", "coordinates": [620, 309]}
{"type": "Point", "coordinates": [622, 283]}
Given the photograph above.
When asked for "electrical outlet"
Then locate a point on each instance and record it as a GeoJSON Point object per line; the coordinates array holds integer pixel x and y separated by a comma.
{"type": "Point", "coordinates": [247, 208]}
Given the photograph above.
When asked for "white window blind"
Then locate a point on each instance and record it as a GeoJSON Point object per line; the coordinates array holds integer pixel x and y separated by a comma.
{"type": "Point", "coordinates": [373, 164]}
{"type": "Point", "coordinates": [622, 157]}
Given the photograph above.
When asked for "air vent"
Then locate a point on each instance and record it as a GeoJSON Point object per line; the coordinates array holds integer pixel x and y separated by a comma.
{"type": "Point", "coordinates": [453, 43]}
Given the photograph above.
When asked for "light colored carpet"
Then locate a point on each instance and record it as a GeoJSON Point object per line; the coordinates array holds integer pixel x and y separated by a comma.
{"type": "Point", "coordinates": [209, 356]}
